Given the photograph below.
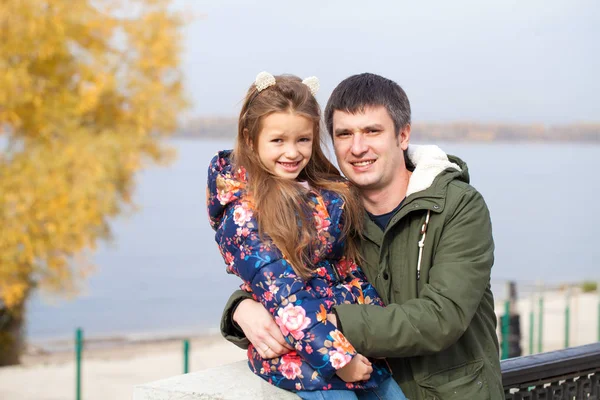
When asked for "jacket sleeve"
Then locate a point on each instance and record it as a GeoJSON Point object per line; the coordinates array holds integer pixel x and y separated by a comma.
{"type": "Point", "coordinates": [229, 329]}
{"type": "Point", "coordinates": [286, 296]}
{"type": "Point", "coordinates": [458, 278]}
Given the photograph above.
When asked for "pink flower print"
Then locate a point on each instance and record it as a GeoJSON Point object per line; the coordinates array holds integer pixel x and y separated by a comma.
{"type": "Point", "coordinates": [290, 365]}
{"type": "Point", "coordinates": [241, 174]}
{"type": "Point", "coordinates": [321, 223]}
{"type": "Point", "coordinates": [309, 349]}
{"type": "Point", "coordinates": [244, 232]}
{"type": "Point", "coordinates": [241, 214]}
{"type": "Point", "coordinates": [292, 320]}
{"type": "Point", "coordinates": [345, 266]}
{"type": "Point", "coordinates": [273, 288]}
{"type": "Point", "coordinates": [265, 368]}
{"type": "Point", "coordinates": [268, 296]}
{"type": "Point", "coordinates": [298, 386]}
{"type": "Point", "coordinates": [224, 197]}
{"type": "Point", "coordinates": [226, 189]}
{"type": "Point", "coordinates": [228, 258]}
{"type": "Point", "coordinates": [339, 359]}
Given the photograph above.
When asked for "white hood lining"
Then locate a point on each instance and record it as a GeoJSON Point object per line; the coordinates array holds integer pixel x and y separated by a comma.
{"type": "Point", "coordinates": [429, 162]}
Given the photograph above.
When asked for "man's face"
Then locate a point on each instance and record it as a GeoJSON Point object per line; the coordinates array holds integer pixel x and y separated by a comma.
{"type": "Point", "coordinates": [367, 149]}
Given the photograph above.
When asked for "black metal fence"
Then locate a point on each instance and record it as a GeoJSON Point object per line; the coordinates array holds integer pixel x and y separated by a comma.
{"type": "Point", "coordinates": [572, 373]}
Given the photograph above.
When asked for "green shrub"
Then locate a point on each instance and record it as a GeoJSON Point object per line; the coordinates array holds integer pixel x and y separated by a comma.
{"type": "Point", "coordinates": [589, 286]}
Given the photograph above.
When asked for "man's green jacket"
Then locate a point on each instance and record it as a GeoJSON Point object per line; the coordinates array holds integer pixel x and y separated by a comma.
{"type": "Point", "coordinates": [438, 329]}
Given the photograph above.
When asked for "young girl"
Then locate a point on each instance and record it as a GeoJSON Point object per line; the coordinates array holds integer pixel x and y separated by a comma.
{"type": "Point", "coordinates": [286, 223]}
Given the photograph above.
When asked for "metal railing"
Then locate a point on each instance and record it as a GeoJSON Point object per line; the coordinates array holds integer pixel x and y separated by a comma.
{"type": "Point", "coordinates": [572, 373]}
{"type": "Point", "coordinates": [79, 346]}
{"type": "Point", "coordinates": [528, 323]}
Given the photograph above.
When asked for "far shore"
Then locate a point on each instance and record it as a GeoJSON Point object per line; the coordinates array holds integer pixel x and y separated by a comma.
{"type": "Point", "coordinates": [458, 131]}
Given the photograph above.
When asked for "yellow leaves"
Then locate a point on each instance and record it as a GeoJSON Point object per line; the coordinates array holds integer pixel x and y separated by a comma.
{"type": "Point", "coordinates": [86, 90]}
{"type": "Point", "coordinates": [13, 294]}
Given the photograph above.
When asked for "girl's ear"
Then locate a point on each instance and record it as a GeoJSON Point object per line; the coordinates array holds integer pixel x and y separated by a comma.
{"type": "Point", "coordinates": [246, 136]}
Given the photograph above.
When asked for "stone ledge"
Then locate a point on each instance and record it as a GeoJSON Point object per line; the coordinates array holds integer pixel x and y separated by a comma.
{"type": "Point", "coordinates": [227, 382]}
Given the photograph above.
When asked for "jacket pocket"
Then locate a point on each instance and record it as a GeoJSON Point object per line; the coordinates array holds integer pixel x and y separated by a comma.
{"type": "Point", "coordinates": [466, 381]}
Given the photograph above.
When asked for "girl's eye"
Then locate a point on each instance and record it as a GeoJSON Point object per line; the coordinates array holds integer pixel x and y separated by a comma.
{"type": "Point", "coordinates": [305, 140]}
{"type": "Point", "coordinates": [276, 140]}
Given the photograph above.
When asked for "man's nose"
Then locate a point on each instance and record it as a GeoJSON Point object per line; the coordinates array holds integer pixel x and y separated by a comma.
{"type": "Point", "coordinates": [359, 145]}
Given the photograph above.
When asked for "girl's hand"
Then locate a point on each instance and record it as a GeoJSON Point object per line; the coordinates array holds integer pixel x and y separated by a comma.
{"type": "Point", "coordinates": [359, 369]}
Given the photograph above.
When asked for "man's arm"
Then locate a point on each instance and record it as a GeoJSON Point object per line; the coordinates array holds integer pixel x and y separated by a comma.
{"type": "Point", "coordinates": [443, 311]}
{"type": "Point", "coordinates": [229, 329]}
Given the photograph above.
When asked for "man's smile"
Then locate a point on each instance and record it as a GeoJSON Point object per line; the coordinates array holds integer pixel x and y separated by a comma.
{"type": "Point", "coordinates": [362, 163]}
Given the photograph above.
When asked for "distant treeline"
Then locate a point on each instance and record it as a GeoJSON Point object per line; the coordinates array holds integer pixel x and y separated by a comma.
{"type": "Point", "coordinates": [226, 127]}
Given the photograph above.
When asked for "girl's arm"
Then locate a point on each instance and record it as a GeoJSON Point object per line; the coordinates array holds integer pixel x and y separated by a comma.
{"type": "Point", "coordinates": [298, 310]}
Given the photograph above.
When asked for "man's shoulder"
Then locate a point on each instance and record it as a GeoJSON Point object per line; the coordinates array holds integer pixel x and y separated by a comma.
{"type": "Point", "coordinates": [460, 188]}
{"type": "Point", "coordinates": [460, 193]}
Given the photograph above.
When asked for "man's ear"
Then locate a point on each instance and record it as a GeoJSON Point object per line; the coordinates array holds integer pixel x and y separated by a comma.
{"type": "Point", "coordinates": [404, 137]}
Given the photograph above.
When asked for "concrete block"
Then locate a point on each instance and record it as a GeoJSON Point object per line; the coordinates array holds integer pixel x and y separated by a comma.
{"type": "Point", "coordinates": [231, 381]}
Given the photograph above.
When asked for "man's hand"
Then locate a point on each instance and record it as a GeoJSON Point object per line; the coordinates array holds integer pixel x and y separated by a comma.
{"type": "Point", "coordinates": [359, 369]}
{"type": "Point", "coordinates": [260, 329]}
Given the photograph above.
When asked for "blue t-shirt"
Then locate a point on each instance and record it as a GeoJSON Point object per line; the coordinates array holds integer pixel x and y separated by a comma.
{"type": "Point", "coordinates": [382, 220]}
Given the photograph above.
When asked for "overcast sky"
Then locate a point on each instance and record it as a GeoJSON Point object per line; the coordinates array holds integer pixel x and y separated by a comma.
{"type": "Point", "coordinates": [491, 61]}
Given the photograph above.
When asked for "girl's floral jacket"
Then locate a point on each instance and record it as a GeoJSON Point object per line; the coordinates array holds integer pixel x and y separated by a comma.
{"type": "Point", "coordinates": [299, 307]}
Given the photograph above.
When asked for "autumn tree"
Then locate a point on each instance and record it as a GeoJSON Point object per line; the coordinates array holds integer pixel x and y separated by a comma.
{"type": "Point", "coordinates": [88, 90]}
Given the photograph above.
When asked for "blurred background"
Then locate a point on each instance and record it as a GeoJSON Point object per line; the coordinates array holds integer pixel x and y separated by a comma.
{"type": "Point", "coordinates": [111, 110]}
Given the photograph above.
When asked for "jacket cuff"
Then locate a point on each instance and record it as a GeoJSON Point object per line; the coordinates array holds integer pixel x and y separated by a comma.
{"type": "Point", "coordinates": [347, 314]}
{"type": "Point", "coordinates": [338, 320]}
{"type": "Point", "coordinates": [229, 329]}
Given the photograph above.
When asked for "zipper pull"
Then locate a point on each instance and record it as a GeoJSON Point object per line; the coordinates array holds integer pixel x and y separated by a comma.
{"type": "Point", "coordinates": [422, 243]}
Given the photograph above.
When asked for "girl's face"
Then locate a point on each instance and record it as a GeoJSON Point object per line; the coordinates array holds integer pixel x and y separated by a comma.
{"type": "Point", "coordinates": [285, 143]}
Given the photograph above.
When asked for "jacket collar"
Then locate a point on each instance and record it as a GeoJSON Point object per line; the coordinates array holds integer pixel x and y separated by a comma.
{"type": "Point", "coordinates": [433, 170]}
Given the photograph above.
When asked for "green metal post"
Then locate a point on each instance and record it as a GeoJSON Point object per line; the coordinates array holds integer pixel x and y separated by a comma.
{"type": "Point", "coordinates": [186, 356]}
{"type": "Point", "coordinates": [531, 322]}
{"type": "Point", "coordinates": [567, 317]}
{"type": "Point", "coordinates": [506, 330]}
{"type": "Point", "coordinates": [78, 351]}
{"type": "Point", "coordinates": [541, 324]}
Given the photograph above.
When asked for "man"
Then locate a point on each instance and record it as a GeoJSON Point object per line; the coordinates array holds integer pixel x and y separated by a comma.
{"type": "Point", "coordinates": [427, 249]}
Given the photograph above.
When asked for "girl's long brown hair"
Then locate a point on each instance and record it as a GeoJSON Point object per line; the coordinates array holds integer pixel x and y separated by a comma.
{"type": "Point", "coordinates": [280, 204]}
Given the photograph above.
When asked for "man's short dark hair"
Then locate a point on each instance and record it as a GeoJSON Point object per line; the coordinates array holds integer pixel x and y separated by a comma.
{"type": "Point", "coordinates": [361, 91]}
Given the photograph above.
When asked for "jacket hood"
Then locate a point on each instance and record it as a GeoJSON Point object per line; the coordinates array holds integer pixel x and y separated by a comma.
{"type": "Point", "coordinates": [224, 186]}
{"type": "Point", "coordinates": [433, 164]}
